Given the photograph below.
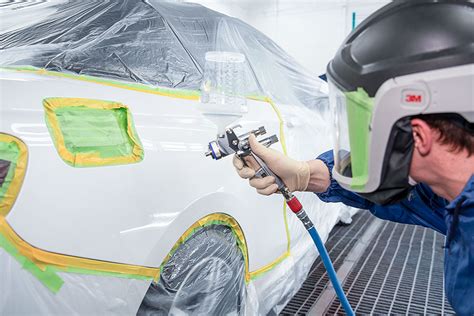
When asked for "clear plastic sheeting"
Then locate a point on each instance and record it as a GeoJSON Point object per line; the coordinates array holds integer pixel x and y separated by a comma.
{"type": "Point", "coordinates": [126, 40]}
{"type": "Point", "coordinates": [21, 293]}
{"type": "Point", "coordinates": [205, 276]}
{"type": "Point", "coordinates": [149, 42]}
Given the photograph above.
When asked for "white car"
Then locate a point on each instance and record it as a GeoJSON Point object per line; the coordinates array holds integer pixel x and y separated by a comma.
{"type": "Point", "coordinates": [108, 204]}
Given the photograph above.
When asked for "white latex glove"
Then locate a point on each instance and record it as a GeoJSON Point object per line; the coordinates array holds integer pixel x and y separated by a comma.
{"type": "Point", "coordinates": [295, 174]}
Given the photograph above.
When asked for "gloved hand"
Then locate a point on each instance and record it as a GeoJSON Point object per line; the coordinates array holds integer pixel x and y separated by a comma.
{"type": "Point", "coordinates": [295, 174]}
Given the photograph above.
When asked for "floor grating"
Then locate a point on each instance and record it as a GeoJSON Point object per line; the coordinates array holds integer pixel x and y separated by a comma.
{"type": "Point", "coordinates": [340, 242]}
{"type": "Point", "coordinates": [400, 272]}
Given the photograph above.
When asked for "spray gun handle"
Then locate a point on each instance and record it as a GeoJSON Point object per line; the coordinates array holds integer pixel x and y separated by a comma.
{"type": "Point", "coordinates": [291, 200]}
{"type": "Point", "coordinates": [265, 171]}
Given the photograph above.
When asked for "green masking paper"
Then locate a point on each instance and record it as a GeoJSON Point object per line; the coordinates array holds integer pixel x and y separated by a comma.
{"type": "Point", "coordinates": [87, 130]}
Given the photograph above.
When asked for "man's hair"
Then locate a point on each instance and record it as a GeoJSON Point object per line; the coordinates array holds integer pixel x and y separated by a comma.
{"type": "Point", "coordinates": [453, 131]}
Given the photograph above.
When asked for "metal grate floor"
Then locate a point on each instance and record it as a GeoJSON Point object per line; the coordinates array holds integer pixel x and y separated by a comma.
{"type": "Point", "coordinates": [340, 242]}
{"type": "Point", "coordinates": [400, 272]}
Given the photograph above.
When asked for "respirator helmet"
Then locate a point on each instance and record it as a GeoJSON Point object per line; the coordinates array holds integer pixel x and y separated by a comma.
{"type": "Point", "coordinates": [407, 59]}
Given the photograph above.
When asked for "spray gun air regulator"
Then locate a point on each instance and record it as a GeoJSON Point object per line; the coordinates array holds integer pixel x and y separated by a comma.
{"type": "Point", "coordinates": [229, 143]}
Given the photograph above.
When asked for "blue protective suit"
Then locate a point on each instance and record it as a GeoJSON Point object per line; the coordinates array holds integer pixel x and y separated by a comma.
{"type": "Point", "coordinates": [423, 207]}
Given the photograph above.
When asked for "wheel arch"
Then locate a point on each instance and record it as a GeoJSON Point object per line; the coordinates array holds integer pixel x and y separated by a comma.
{"type": "Point", "coordinates": [214, 209]}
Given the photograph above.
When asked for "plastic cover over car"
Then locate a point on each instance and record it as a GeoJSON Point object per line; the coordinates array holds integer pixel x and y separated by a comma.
{"type": "Point", "coordinates": [150, 42]}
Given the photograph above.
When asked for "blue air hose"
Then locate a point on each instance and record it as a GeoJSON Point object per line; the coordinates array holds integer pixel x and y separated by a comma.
{"type": "Point", "coordinates": [297, 208]}
{"type": "Point", "coordinates": [330, 270]}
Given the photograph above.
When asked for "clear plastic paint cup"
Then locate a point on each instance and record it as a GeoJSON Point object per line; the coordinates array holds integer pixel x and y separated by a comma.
{"type": "Point", "coordinates": [223, 82]}
{"type": "Point", "coordinates": [222, 90]}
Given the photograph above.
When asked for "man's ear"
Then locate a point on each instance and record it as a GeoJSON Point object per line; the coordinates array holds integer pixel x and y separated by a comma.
{"type": "Point", "coordinates": [423, 136]}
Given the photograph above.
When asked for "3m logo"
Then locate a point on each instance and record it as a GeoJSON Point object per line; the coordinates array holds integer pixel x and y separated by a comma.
{"type": "Point", "coordinates": [413, 98]}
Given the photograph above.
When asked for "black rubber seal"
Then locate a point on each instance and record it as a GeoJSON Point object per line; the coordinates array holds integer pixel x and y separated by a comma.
{"type": "Point", "coordinates": [396, 166]}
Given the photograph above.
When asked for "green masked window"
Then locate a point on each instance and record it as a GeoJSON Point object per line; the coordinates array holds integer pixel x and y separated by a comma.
{"type": "Point", "coordinates": [90, 133]}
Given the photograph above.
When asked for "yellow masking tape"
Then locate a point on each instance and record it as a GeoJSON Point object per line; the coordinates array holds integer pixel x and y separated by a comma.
{"type": "Point", "coordinates": [280, 119]}
{"type": "Point", "coordinates": [42, 258]}
{"type": "Point", "coordinates": [174, 93]}
{"type": "Point", "coordinates": [259, 272]}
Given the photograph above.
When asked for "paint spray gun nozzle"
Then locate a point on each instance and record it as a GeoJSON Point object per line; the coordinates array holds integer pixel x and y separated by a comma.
{"type": "Point", "coordinates": [230, 143]}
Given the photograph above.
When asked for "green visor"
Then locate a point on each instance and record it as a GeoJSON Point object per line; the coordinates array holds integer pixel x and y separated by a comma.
{"type": "Point", "coordinates": [352, 117]}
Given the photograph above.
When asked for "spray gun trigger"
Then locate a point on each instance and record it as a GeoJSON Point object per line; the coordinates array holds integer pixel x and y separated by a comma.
{"type": "Point", "coordinates": [260, 173]}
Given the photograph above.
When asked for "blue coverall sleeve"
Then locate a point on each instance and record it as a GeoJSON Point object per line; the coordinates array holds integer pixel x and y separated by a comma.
{"type": "Point", "coordinates": [422, 207]}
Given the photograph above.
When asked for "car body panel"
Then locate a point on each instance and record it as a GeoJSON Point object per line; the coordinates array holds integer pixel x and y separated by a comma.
{"type": "Point", "coordinates": [127, 210]}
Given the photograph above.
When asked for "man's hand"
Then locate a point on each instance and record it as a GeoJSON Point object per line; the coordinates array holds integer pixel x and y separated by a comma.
{"type": "Point", "coordinates": [295, 174]}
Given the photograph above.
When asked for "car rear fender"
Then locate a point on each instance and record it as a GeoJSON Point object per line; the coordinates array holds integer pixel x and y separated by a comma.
{"type": "Point", "coordinates": [217, 207]}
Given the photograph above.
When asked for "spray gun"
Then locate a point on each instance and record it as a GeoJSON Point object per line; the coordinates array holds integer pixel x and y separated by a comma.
{"type": "Point", "coordinates": [229, 143]}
